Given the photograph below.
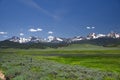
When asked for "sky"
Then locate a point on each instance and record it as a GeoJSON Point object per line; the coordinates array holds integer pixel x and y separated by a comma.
{"type": "Point", "coordinates": [61, 18]}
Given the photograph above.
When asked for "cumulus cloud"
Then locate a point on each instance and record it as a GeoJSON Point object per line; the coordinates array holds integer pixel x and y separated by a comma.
{"type": "Point", "coordinates": [50, 32]}
{"type": "Point", "coordinates": [2, 33]}
{"type": "Point", "coordinates": [32, 30]}
{"type": "Point", "coordinates": [93, 27]}
{"type": "Point", "coordinates": [21, 34]}
{"type": "Point", "coordinates": [35, 30]}
{"type": "Point", "coordinates": [90, 27]}
{"type": "Point", "coordinates": [38, 29]}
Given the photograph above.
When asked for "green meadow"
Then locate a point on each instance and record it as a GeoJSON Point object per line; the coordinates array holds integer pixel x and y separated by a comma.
{"type": "Point", "coordinates": [75, 62]}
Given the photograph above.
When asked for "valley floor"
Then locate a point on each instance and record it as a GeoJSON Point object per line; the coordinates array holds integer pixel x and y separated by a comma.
{"type": "Point", "coordinates": [60, 64]}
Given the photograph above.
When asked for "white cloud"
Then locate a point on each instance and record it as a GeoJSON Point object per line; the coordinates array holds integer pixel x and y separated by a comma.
{"type": "Point", "coordinates": [38, 29]}
{"type": "Point", "coordinates": [93, 27]}
{"type": "Point", "coordinates": [2, 33]}
{"type": "Point", "coordinates": [32, 30]}
{"type": "Point", "coordinates": [50, 32]}
{"type": "Point", "coordinates": [88, 27]}
{"type": "Point", "coordinates": [21, 34]}
{"type": "Point", "coordinates": [35, 30]}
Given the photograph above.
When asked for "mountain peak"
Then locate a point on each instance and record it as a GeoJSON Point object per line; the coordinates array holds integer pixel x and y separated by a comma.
{"type": "Point", "coordinates": [58, 39]}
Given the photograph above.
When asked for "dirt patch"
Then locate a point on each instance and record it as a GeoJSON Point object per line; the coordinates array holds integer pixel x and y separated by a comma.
{"type": "Point", "coordinates": [2, 76]}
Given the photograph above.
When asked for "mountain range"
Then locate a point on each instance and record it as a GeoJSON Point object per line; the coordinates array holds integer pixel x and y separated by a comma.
{"type": "Point", "coordinates": [53, 39]}
{"type": "Point", "coordinates": [109, 40]}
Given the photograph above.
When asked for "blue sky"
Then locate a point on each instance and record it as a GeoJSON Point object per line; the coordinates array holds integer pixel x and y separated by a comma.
{"type": "Point", "coordinates": [62, 18]}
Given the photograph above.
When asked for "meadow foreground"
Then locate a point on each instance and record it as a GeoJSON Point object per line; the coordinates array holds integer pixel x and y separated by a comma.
{"type": "Point", "coordinates": [59, 64]}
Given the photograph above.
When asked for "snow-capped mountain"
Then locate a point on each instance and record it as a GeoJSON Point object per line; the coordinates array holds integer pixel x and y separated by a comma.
{"type": "Point", "coordinates": [95, 36]}
{"type": "Point", "coordinates": [24, 40]}
{"type": "Point", "coordinates": [50, 38]}
{"type": "Point", "coordinates": [53, 39]}
{"type": "Point", "coordinates": [91, 36]}
{"type": "Point", "coordinates": [77, 38]}
{"type": "Point", "coordinates": [35, 39]}
{"type": "Point", "coordinates": [14, 39]}
{"type": "Point", "coordinates": [114, 35]}
{"type": "Point", "coordinates": [111, 35]}
{"type": "Point", "coordinates": [18, 39]}
{"type": "Point", "coordinates": [100, 35]}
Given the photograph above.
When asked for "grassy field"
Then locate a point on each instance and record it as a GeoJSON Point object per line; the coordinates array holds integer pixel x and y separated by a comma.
{"type": "Point", "coordinates": [70, 63]}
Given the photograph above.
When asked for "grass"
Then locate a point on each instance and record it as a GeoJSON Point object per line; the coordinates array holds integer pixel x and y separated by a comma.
{"type": "Point", "coordinates": [61, 64]}
{"type": "Point", "coordinates": [109, 62]}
